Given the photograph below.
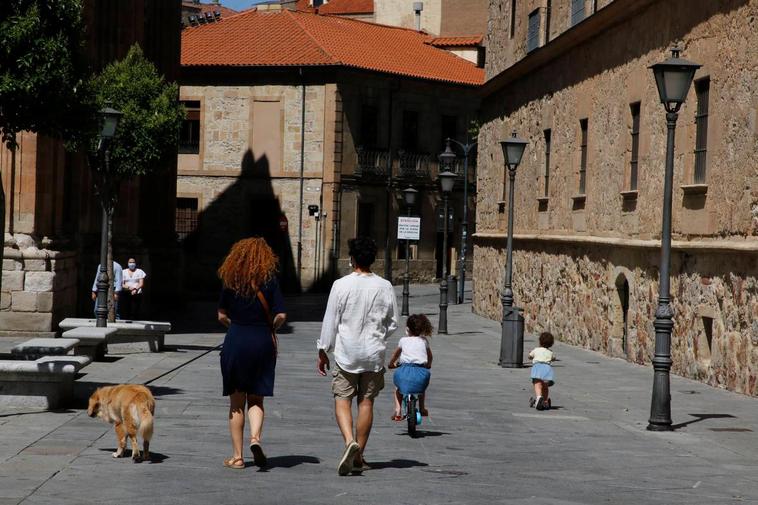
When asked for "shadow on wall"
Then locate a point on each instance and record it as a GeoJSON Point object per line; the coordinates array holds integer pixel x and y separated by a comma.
{"type": "Point", "coordinates": [671, 20]}
{"type": "Point", "coordinates": [247, 208]}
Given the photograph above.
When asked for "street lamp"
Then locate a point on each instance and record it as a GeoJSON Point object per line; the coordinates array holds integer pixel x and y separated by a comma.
{"type": "Point", "coordinates": [109, 118]}
{"type": "Point", "coordinates": [409, 194]}
{"type": "Point", "coordinates": [447, 181]}
{"type": "Point", "coordinates": [512, 337]}
{"type": "Point", "coordinates": [673, 78]}
{"type": "Point", "coordinates": [448, 157]}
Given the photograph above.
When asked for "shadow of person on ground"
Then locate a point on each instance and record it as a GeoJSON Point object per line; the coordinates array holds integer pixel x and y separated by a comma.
{"type": "Point", "coordinates": [289, 461]}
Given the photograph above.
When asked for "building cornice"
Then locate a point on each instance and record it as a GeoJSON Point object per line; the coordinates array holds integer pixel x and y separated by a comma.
{"type": "Point", "coordinates": [749, 245]}
{"type": "Point", "coordinates": [609, 16]}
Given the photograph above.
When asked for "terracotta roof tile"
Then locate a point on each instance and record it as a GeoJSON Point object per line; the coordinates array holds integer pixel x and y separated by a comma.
{"type": "Point", "coordinates": [337, 7]}
{"type": "Point", "coordinates": [474, 40]}
{"type": "Point", "coordinates": [290, 38]}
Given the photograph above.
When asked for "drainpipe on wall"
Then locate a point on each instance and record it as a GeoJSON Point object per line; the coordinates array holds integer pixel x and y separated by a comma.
{"type": "Point", "coordinates": [417, 8]}
{"type": "Point", "coordinates": [302, 181]}
{"type": "Point", "coordinates": [388, 199]}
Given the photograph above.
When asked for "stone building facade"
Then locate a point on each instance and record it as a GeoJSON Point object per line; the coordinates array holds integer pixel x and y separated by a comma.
{"type": "Point", "coordinates": [52, 228]}
{"type": "Point", "coordinates": [299, 154]}
{"type": "Point", "coordinates": [589, 189]}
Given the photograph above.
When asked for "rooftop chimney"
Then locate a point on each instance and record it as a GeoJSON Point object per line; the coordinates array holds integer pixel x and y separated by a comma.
{"type": "Point", "coordinates": [417, 8]}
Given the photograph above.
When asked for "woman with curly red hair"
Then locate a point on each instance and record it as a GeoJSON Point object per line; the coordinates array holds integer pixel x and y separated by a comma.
{"type": "Point", "coordinates": [252, 308]}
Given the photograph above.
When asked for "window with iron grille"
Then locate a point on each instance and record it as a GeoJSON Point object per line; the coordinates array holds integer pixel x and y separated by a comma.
{"type": "Point", "coordinates": [548, 15]}
{"type": "Point", "coordinates": [189, 137]}
{"type": "Point", "coordinates": [702, 89]}
{"type": "Point", "coordinates": [583, 166]}
{"type": "Point", "coordinates": [186, 217]}
{"type": "Point", "coordinates": [533, 31]}
{"type": "Point", "coordinates": [365, 220]}
{"type": "Point", "coordinates": [577, 11]}
{"type": "Point", "coordinates": [449, 127]}
{"type": "Point", "coordinates": [634, 160]}
{"type": "Point", "coordinates": [513, 17]}
{"type": "Point", "coordinates": [409, 141]}
{"type": "Point", "coordinates": [548, 141]}
{"type": "Point", "coordinates": [369, 126]}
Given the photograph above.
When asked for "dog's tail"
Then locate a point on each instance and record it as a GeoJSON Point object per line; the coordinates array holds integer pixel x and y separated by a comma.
{"type": "Point", "coordinates": [145, 417]}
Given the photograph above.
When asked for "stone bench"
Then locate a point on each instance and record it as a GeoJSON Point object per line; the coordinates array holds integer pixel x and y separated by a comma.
{"type": "Point", "coordinates": [47, 382]}
{"type": "Point", "coordinates": [152, 332]}
{"type": "Point", "coordinates": [93, 342]}
{"type": "Point", "coordinates": [39, 347]}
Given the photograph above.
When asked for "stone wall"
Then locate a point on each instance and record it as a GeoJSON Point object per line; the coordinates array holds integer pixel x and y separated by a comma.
{"type": "Point", "coordinates": [574, 291]}
{"type": "Point", "coordinates": [574, 251]}
{"type": "Point", "coordinates": [39, 286]}
{"type": "Point", "coordinates": [400, 13]}
{"type": "Point", "coordinates": [243, 176]}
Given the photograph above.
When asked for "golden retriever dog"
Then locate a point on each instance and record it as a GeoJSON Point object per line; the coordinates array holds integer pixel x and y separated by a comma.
{"type": "Point", "coordinates": [130, 408]}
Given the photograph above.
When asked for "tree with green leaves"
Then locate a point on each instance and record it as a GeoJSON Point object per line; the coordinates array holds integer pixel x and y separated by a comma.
{"type": "Point", "coordinates": [41, 72]}
{"type": "Point", "coordinates": [147, 135]}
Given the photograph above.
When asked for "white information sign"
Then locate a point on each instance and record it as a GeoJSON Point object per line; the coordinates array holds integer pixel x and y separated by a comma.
{"type": "Point", "coordinates": [409, 228]}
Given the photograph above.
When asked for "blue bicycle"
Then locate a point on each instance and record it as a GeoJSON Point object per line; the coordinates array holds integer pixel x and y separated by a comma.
{"type": "Point", "coordinates": [412, 413]}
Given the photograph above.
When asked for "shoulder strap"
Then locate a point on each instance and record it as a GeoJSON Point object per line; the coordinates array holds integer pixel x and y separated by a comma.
{"type": "Point", "coordinates": [269, 319]}
{"type": "Point", "coordinates": [266, 308]}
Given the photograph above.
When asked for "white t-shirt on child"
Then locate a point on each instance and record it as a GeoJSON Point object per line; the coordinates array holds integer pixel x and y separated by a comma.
{"type": "Point", "coordinates": [541, 355]}
{"type": "Point", "coordinates": [413, 350]}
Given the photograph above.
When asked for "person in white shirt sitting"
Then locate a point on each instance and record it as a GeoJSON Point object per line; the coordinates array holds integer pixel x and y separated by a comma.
{"type": "Point", "coordinates": [360, 315]}
{"type": "Point", "coordinates": [134, 281]}
{"type": "Point", "coordinates": [413, 356]}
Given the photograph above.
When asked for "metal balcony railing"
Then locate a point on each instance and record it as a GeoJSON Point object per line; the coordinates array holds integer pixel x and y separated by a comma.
{"type": "Point", "coordinates": [372, 164]}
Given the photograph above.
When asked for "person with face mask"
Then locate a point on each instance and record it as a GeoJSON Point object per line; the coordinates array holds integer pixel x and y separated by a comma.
{"type": "Point", "coordinates": [134, 282]}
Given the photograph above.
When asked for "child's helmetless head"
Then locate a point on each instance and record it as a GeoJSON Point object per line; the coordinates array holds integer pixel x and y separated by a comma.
{"type": "Point", "coordinates": [418, 325]}
{"type": "Point", "coordinates": [546, 339]}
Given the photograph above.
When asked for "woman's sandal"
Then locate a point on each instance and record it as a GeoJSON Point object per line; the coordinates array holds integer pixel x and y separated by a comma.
{"type": "Point", "coordinates": [259, 457]}
{"type": "Point", "coordinates": [396, 417]}
{"type": "Point", "coordinates": [234, 463]}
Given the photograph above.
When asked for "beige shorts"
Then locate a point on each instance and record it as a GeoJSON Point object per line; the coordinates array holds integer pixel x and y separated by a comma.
{"type": "Point", "coordinates": [346, 385]}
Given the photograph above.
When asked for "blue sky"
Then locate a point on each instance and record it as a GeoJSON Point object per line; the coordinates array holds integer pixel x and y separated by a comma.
{"type": "Point", "coordinates": [239, 4]}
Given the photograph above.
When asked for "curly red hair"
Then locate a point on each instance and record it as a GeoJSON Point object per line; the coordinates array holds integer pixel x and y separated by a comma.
{"type": "Point", "coordinates": [251, 263]}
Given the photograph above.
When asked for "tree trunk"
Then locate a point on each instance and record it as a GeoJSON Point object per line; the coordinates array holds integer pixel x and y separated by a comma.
{"type": "Point", "coordinates": [111, 273]}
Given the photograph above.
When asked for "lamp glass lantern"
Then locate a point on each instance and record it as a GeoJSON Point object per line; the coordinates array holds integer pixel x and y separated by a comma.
{"type": "Point", "coordinates": [447, 181]}
{"type": "Point", "coordinates": [447, 158]}
{"type": "Point", "coordinates": [410, 194]}
{"type": "Point", "coordinates": [110, 118]}
{"type": "Point", "coordinates": [674, 78]}
{"type": "Point", "coordinates": [513, 150]}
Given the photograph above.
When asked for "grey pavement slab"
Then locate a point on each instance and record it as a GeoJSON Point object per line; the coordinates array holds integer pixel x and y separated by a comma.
{"type": "Point", "coordinates": [481, 443]}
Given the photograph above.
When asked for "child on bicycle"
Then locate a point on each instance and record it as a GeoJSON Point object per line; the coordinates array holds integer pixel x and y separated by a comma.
{"type": "Point", "coordinates": [542, 372]}
{"type": "Point", "coordinates": [413, 359]}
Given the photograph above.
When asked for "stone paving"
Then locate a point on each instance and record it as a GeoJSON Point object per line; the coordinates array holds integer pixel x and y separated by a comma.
{"type": "Point", "coordinates": [481, 444]}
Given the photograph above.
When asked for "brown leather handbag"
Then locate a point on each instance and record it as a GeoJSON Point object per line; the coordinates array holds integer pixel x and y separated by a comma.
{"type": "Point", "coordinates": [269, 320]}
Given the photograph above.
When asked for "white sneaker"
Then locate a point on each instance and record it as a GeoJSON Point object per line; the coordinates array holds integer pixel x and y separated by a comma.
{"type": "Point", "coordinates": [346, 463]}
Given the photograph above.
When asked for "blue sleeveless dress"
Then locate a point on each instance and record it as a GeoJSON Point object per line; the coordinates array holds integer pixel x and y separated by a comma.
{"type": "Point", "coordinates": [248, 358]}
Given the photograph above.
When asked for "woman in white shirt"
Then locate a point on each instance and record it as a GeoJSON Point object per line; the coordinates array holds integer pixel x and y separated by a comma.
{"type": "Point", "coordinates": [413, 356]}
{"type": "Point", "coordinates": [134, 282]}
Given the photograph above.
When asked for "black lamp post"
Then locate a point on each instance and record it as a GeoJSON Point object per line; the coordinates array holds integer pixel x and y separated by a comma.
{"type": "Point", "coordinates": [447, 181]}
{"type": "Point", "coordinates": [110, 118]}
{"type": "Point", "coordinates": [409, 194]}
{"type": "Point", "coordinates": [512, 337]}
{"type": "Point", "coordinates": [448, 157]}
{"type": "Point", "coordinates": [674, 78]}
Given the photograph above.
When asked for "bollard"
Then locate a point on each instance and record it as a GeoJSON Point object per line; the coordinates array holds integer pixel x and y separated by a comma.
{"type": "Point", "coordinates": [512, 342]}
